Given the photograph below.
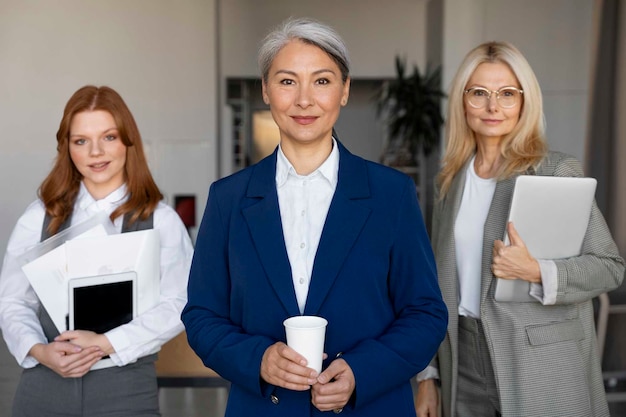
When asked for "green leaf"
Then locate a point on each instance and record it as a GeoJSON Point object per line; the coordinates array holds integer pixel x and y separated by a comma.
{"type": "Point", "coordinates": [412, 106]}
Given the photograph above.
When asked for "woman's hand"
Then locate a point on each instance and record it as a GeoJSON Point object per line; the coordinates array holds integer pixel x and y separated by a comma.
{"type": "Point", "coordinates": [66, 359]}
{"type": "Point", "coordinates": [427, 401]}
{"type": "Point", "coordinates": [284, 367]}
{"type": "Point", "coordinates": [86, 338]}
{"type": "Point", "coordinates": [334, 388]}
{"type": "Point", "coordinates": [514, 261]}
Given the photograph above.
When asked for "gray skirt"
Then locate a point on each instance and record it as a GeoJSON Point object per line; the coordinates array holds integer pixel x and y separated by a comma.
{"type": "Point", "coordinates": [127, 391]}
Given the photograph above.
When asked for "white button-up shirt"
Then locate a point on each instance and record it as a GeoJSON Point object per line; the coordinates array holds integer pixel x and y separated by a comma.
{"type": "Point", "coordinates": [144, 335]}
{"type": "Point", "coordinates": [304, 201]}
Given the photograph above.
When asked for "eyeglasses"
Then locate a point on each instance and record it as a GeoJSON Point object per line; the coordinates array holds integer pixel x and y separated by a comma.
{"type": "Point", "coordinates": [507, 97]}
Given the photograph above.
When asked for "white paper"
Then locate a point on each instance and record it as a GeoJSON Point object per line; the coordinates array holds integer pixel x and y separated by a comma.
{"type": "Point", "coordinates": [48, 275]}
{"type": "Point", "coordinates": [134, 251]}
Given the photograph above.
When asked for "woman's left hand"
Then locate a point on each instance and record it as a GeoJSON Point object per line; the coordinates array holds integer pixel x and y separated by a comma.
{"type": "Point", "coordinates": [86, 338]}
{"type": "Point", "coordinates": [334, 387]}
{"type": "Point", "coordinates": [514, 261]}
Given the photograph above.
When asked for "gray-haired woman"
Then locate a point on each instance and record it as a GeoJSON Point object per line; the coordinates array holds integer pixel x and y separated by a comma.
{"type": "Point", "coordinates": [313, 230]}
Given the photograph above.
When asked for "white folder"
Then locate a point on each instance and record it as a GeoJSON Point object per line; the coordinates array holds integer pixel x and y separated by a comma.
{"type": "Point", "coordinates": [133, 251]}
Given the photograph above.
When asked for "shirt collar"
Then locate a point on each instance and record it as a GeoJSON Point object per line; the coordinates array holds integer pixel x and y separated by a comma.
{"type": "Point", "coordinates": [114, 199]}
{"type": "Point", "coordinates": [329, 168]}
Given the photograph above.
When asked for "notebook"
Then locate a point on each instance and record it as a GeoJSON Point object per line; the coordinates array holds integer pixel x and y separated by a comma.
{"type": "Point", "coordinates": [551, 215]}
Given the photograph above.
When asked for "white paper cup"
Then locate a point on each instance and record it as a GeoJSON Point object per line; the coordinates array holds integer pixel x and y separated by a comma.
{"type": "Point", "coordinates": [305, 335]}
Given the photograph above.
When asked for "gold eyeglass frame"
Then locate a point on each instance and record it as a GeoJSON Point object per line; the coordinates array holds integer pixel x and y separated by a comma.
{"type": "Point", "coordinates": [489, 92]}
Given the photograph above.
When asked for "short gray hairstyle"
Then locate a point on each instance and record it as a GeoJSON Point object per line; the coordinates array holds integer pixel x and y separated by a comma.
{"type": "Point", "coordinates": [308, 31]}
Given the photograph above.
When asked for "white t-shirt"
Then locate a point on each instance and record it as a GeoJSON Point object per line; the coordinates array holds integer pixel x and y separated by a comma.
{"type": "Point", "coordinates": [468, 238]}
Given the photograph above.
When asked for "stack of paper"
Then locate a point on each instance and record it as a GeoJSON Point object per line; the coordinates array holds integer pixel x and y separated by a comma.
{"type": "Point", "coordinates": [87, 250]}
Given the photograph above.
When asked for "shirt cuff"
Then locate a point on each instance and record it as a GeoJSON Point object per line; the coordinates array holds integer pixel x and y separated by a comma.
{"type": "Point", "coordinates": [546, 291]}
{"type": "Point", "coordinates": [25, 360]}
{"type": "Point", "coordinates": [29, 362]}
{"type": "Point", "coordinates": [119, 341]}
{"type": "Point", "coordinates": [430, 372]}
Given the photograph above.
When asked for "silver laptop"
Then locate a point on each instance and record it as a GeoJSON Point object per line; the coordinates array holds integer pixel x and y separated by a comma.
{"type": "Point", "coordinates": [551, 214]}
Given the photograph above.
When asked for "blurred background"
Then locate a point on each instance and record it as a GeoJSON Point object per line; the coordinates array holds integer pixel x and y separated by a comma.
{"type": "Point", "coordinates": [187, 70]}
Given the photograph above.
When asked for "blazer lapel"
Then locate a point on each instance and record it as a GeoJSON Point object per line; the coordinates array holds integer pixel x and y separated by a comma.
{"type": "Point", "coordinates": [445, 245]}
{"type": "Point", "coordinates": [344, 221]}
{"type": "Point", "coordinates": [263, 218]}
{"type": "Point", "coordinates": [495, 226]}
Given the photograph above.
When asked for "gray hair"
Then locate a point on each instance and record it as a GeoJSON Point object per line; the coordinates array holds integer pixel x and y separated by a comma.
{"type": "Point", "coordinates": [308, 31]}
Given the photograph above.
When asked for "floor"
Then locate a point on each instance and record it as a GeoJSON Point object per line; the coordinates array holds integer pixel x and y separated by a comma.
{"type": "Point", "coordinates": [174, 402]}
{"type": "Point", "coordinates": [192, 402]}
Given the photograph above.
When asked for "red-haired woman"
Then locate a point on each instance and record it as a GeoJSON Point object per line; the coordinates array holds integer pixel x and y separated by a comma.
{"type": "Point", "coordinates": [100, 167]}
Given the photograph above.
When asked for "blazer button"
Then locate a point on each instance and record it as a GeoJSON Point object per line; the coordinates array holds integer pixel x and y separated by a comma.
{"type": "Point", "coordinates": [274, 399]}
{"type": "Point", "coordinates": [337, 410]}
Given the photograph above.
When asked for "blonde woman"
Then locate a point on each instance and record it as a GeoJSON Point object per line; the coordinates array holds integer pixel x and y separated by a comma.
{"type": "Point", "coordinates": [509, 358]}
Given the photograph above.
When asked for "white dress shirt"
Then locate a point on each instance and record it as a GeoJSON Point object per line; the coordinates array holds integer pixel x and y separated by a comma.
{"type": "Point", "coordinates": [142, 336]}
{"type": "Point", "coordinates": [304, 201]}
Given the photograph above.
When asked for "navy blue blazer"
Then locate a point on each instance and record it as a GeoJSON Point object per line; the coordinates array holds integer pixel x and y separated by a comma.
{"type": "Point", "coordinates": [374, 280]}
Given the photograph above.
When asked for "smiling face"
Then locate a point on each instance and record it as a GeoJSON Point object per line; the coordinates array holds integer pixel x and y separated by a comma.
{"type": "Point", "coordinates": [492, 122]}
{"type": "Point", "coordinates": [305, 92]}
{"type": "Point", "coordinates": [97, 151]}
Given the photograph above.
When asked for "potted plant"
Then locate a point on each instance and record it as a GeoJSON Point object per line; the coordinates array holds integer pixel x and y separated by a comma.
{"type": "Point", "coordinates": [410, 105]}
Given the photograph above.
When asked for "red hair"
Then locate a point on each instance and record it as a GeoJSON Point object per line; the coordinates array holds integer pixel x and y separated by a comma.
{"type": "Point", "coordinates": [60, 188]}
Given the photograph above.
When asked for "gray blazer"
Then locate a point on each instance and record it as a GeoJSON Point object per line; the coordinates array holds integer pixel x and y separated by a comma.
{"type": "Point", "coordinates": [545, 357]}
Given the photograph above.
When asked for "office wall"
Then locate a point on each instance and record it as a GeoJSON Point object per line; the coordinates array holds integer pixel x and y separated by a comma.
{"type": "Point", "coordinates": [160, 58]}
{"type": "Point", "coordinates": [374, 31]}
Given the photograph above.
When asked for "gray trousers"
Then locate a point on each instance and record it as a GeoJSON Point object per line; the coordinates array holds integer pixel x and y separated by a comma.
{"type": "Point", "coordinates": [128, 391]}
{"type": "Point", "coordinates": [477, 393]}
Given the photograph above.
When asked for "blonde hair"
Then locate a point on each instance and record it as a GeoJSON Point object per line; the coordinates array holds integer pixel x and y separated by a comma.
{"type": "Point", "coordinates": [523, 147]}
